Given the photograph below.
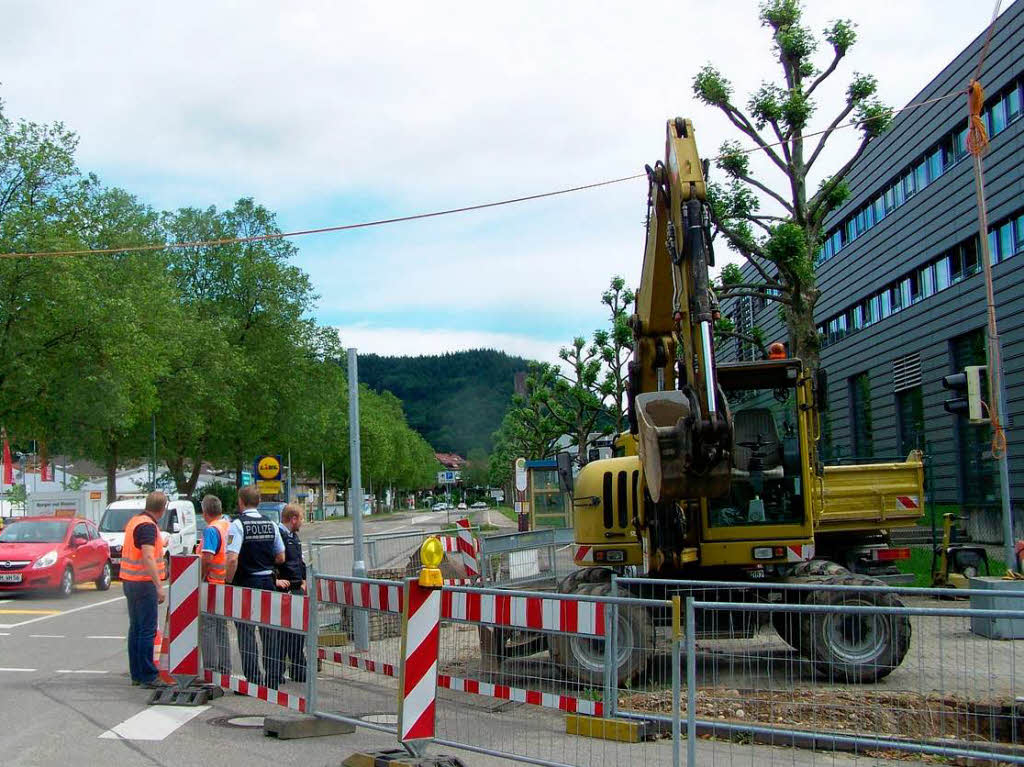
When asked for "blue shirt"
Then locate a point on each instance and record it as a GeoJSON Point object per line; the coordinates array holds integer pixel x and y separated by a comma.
{"type": "Point", "coordinates": [211, 539]}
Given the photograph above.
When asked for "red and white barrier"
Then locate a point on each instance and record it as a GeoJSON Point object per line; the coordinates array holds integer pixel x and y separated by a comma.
{"type": "Point", "coordinates": [372, 596]}
{"type": "Point", "coordinates": [269, 608]}
{"type": "Point", "coordinates": [475, 687]}
{"type": "Point", "coordinates": [540, 613]}
{"type": "Point", "coordinates": [417, 687]}
{"type": "Point", "coordinates": [468, 547]}
{"type": "Point", "coordinates": [183, 610]}
{"type": "Point", "coordinates": [242, 687]}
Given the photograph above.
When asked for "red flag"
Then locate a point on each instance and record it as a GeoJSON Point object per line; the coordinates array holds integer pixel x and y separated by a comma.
{"type": "Point", "coordinates": [8, 464]}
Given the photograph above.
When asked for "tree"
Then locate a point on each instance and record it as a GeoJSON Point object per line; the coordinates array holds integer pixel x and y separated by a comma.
{"type": "Point", "coordinates": [528, 429]}
{"type": "Point", "coordinates": [780, 247]}
{"type": "Point", "coordinates": [477, 471]}
{"type": "Point", "coordinates": [576, 400]}
{"type": "Point", "coordinates": [615, 345]}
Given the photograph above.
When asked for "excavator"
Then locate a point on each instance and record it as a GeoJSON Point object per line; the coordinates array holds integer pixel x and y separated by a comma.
{"type": "Point", "coordinates": [718, 478]}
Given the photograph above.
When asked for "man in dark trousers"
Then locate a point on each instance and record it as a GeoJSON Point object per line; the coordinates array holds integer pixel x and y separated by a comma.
{"type": "Point", "coordinates": [254, 547]}
{"type": "Point", "coordinates": [291, 577]}
{"type": "Point", "coordinates": [142, 570]}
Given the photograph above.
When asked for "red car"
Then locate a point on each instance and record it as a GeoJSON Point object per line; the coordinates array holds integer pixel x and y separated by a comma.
{"type": "Point", "coordinates": [53, 553]}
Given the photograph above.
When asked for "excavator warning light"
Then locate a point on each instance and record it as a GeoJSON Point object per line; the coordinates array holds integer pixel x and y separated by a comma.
{"type": "Point", "coordinates": [777, 351]}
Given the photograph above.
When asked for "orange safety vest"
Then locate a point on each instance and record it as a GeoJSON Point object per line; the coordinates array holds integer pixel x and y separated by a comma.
{"type": "Point", "coordinates": [217, 570]}
{"type": "Point", "coordinates": [131, 555]}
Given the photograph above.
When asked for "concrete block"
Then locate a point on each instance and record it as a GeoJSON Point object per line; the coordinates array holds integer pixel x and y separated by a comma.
{"type": "Point", "coordinates": [290, 726]}
{"type": "Point", "coordinates": [997, 628]}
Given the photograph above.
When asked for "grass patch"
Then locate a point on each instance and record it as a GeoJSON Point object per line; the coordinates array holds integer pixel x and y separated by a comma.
{"type": "Point", "coordinates": [936, 510]}
{"type": "Point", "coordinates": [920, 565]}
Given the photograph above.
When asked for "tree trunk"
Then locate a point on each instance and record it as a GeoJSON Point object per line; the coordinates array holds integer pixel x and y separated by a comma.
{"type": "Point", "coordinates": [804, 342]}
{"type": "Point", "coordinates": [193, 478]}
{"type": "Point", "coordinates": [238, 473]}
{"type": "Point", "coordinates": [111, 471]}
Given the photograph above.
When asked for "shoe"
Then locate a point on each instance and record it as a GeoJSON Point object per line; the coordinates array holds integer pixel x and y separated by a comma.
{"type": "Point", "coordinates": [157, 684]}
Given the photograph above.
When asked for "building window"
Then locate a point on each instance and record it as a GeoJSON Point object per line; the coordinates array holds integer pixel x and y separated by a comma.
{"type": "Point", "coordinates": [942, 274]}
{"type": "Point", "coordinates": [960, 144]}
{"type": "Point", "coordinates": [998, 117]}
{"type": "Point", "coordinates": [910, 419]}
{"type": "Point", "coordinates": [1006, 246]}
{"type": "Point", "coordinates": [879, 205]}
{"type": "Point", "coordinates": [993, 246]}
{"type": "Point", "coordinates": [860, 416]}
{"type": "Point", "coordinates": [935, 164]}
{"type": "Point", "coordinates": [1013, 104]}
{"type": "Point", "coordinates": [927, 281]}
{"type": "Point", "coordinates": [921, 176]}
{"type": "Point", "coordinates": [908, 186]}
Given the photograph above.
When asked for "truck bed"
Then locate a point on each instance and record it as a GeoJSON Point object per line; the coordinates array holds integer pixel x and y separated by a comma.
{"type": "Point", "coordinates": [872, 496]}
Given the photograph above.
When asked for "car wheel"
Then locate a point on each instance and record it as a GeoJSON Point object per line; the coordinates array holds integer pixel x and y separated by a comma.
{"type": "Point", "coordinates": [106, 575]}
{"type": "Point", "coordinates": [67, 583]}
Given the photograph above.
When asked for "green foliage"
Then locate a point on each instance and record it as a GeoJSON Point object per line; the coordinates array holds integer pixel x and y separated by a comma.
{"type": "Point", "coordinates": [861, 87]}
{"type": "Point", "coordinates": [455, 400]}
{"type": "Point", "coordinates": [765, 106]}
{"type": "Point", "coordinates": [614, 346]}
{"type": "Point", "coordinates": [529, 429]}
{"type": "Point", "coordinates": [874, 118]}
{"type": "Point", "coordinates": [731, 274]}
{"type": "Point", "coordinates": [792, 40]}
{"type": "Point", "coordinates": [835, 195]}
{"type": "Point", "coordinates": [227, 493]}
{"type": "Point", "coordinates": [215, 342]}
{"type": "Point", "coordinates": [841, 35]}
{"type": "Point", "coordinates": [796, 111]}
{"type": "Point", "coordinates": [733, 159]}
{"type": "Point", "coordinates": [710, 87]}
{"type": "Point", "coordinates": [779, 13]}
{"type": "Point", "coordinates": [787, 247]}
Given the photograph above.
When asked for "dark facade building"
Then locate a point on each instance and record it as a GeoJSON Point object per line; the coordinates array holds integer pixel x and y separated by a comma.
{"type": "Point", "coordinates": [903, 297]}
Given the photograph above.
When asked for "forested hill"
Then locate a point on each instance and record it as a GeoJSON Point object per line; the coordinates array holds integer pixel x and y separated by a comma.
{"type": "Point", "coordinates": [455, 400]}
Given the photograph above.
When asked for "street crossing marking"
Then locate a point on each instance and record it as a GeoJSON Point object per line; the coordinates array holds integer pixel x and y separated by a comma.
{"type": "Point", "coordinates": [29, 670]}
{"type": "Point", "coordinates": [105, 637]}
{"type": "Point", "coordinates": [46, 636]}
{"type": "Point", "coordinates": [154, 723]}
{"type": "Point", "coordinates": [80, 671]}
{"type": "Point", "coordinates": [29, 612]}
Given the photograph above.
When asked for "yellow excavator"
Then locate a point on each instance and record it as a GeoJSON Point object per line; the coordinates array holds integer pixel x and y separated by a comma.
{"type": "Point", "coordinates": [719, 476]}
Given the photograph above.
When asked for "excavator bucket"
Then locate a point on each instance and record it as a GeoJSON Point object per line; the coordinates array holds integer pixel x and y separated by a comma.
{"type": "Point", "coordinates": [676, 464]}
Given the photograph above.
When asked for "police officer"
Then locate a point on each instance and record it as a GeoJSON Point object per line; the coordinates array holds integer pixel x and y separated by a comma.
{"type": "Point", "coordinates": [291, 577]}
{"type": "Point", "coordinates": [254, 547]}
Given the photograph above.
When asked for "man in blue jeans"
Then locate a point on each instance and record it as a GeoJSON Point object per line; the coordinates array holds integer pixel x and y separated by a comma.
{"type": "Point", "coordinates": [254, 547]}
{"type": "Point", "coordinates": [142, 570]}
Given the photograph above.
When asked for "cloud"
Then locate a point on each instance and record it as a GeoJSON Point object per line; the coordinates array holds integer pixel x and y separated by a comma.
{"type": "Point", "coordinates": [403, 341]}
{"type": "Point", "coordinates": [336, 113]}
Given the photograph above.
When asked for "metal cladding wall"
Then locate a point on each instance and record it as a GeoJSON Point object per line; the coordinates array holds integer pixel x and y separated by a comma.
{"type": "Point", "coordinates": [936, 218]}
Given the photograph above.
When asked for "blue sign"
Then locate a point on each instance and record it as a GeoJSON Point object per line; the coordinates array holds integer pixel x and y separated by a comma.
{"type": "Point", "coordinates": [246, 477]}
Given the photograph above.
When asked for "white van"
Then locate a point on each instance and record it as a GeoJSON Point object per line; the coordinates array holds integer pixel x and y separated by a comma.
{"type": "Point", "coordinates": [177, 526]}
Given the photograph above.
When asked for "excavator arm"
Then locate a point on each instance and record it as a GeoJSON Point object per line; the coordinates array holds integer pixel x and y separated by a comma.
{"type": "Point", "coordinates": [676, 408]}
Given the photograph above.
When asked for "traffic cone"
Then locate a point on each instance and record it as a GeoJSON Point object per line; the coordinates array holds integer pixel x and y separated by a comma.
{"type": "Point", "coordinates": [161, 653]}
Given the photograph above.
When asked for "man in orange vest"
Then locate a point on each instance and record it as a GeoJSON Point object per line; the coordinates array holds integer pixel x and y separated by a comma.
{"type": "Point", "coordinates": [142, 569]}
{"type": "Point", "coordinates": [213, 637]}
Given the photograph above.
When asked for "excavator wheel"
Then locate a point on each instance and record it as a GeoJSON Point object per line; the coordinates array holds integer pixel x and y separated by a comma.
{"type": "Point", "coordinates": [846, 648]}
{"type": "Point", "coordinates": [583, 657]}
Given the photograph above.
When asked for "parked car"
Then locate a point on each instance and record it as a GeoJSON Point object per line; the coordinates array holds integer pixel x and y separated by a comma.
{"type": "Point", "coordinates": [177, 526]}
{"type": "Point", "coordinates": [439, 507]}
{"type": "Point", "coordinates": [271, 510]}
{"type": "Point", "coordinates": [53, 553]}
{"type": "Point", "coordinates": [478, 505]}
{"type": "Point", "coordinates": [462, 506]}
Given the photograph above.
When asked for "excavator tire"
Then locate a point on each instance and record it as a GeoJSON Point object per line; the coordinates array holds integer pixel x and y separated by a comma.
{"type": "Point", "coordinates": [518, 643]}
{"type": "Point", "coordinates": [787, 624]}
{"type": "Point", "coordinates": [583, 657]}
{"type": "Point", "coordinates": [848, 649]}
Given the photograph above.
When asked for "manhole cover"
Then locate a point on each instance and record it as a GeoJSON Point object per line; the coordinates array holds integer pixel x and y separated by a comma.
{"type": "Point", "coordinates": [245, 721]}
{"type": "Point", "coordinates": [380, 718]}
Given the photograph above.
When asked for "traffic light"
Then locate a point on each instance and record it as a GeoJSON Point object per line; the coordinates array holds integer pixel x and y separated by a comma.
{"type": "Point", "coordinates": [968, 386]}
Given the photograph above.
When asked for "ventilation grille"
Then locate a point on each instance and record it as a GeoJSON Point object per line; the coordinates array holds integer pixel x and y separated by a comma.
{"type": "Point", "coordinates": [906, 372]}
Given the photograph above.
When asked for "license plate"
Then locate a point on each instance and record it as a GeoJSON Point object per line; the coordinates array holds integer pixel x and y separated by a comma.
{"type": "Point", "coordinates": [10, 577]}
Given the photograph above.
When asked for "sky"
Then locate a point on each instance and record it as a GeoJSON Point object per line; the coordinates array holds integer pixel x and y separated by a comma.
{"type": "Point", "coordinates": [339, 112]}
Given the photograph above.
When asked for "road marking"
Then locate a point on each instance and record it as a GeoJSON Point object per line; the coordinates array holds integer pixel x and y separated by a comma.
{"type": "Point", "coordinates": [18, 669]}
{"type": "Point", "coordinates": [105, 637]}
{"type": "Point", "coordinates": [155, 723]}
{"type": "Point", "coordinates": [29, 612]}
{"type": "Point", "coordinates": [59, 613]}
{"type": "Point", "coordinates": [46, 636]}
{"type": "Point", "coordinates": [80, 671]}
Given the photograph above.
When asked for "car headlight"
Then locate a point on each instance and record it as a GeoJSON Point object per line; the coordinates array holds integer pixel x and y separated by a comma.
{"type": "Point", "coordinates": [49, 559]}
